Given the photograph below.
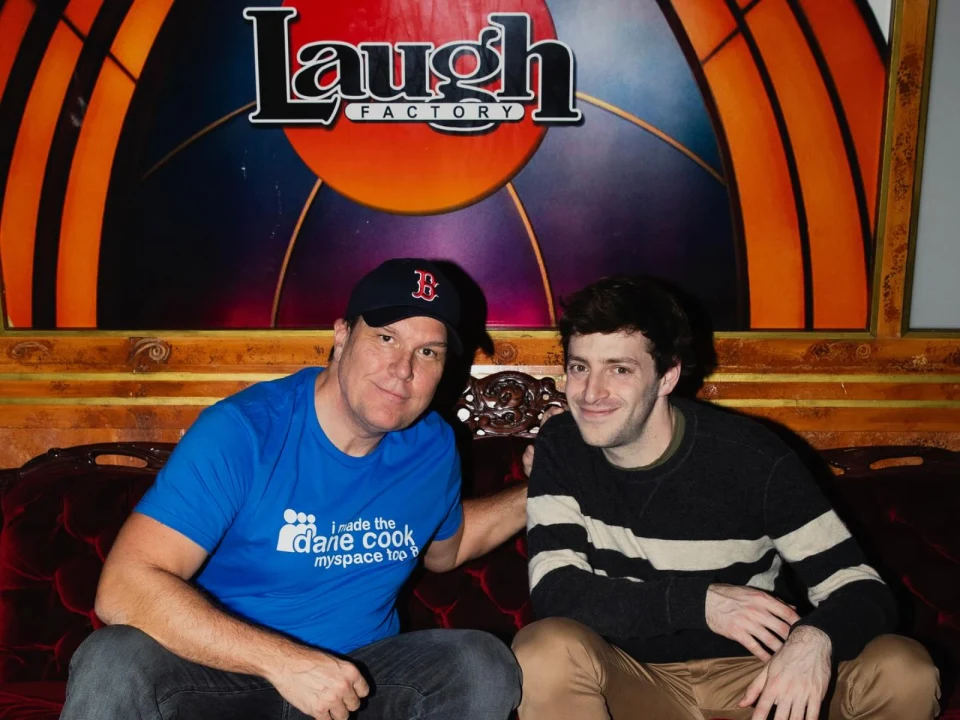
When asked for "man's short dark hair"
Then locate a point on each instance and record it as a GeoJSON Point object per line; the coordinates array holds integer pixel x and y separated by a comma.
{"type": "Point", "coordinates": [625, 303]}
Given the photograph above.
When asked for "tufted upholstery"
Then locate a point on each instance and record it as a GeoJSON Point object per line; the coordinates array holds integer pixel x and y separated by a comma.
{"type": "Point", "coordinates": [906, 516]}
{"type": "Point", "coordinates": [61, 513]}
{"type": "Point", "coordinates": [59, 520]}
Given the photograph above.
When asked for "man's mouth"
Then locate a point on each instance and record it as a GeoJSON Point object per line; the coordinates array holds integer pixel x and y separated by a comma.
{"type": "Point", "coordinates": [392, 396]}
{"type": "Point", "coordinates": [596, 413]}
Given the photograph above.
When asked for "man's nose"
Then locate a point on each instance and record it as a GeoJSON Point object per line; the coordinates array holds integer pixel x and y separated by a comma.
{"type": "Point", "coordinates": [595, 389]}
{"type": "Point", "coordinates": [402, 367]}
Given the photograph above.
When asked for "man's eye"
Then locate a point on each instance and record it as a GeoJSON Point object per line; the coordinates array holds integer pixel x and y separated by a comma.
{"type": "Point", "coordinates": [620, 370]}
{"type": "Point", "coordinates": [386, 338]}
{"type": "Point", "coordinates": [576, 368]}
{"type": "Point", "coordinates": [429, 353]}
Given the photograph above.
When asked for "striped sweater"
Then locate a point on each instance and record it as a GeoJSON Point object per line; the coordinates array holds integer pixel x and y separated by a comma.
{"type": "Point", "coordinates": [630, 553]}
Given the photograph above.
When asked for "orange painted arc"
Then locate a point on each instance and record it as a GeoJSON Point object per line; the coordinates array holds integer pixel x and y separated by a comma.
{"type": "Point", "coordinates": [86, 198]}
{"type": "Point", "coordinates": [537, 252]}
{"type": "Point", "coordinates": [281, 279]}
{"type": "Point", "coordinates": [771, 230]}
{"type": "Point", "coordinates": [830, 202]}
{"type": "Point", "coordinates": [82, 13]}
{"type": "Point", "coordinates": [653, 130]}
{"type": "Point", "coordinates": [135, 38]}
{"type": "Point", "coordinates": [15, 16]}
{"type": "Point", "coordinates": [706, 23]}
{"type": "Point", "coordinates": [859, 74]}
{"type": "Point", "coordinates": [21, 202]}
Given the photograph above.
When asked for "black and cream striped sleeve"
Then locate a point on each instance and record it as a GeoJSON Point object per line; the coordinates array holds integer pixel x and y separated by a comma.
{"type": "Point", "coordinates": [851, 603]}
{"type": "Point", "coordinates": [562, 581]}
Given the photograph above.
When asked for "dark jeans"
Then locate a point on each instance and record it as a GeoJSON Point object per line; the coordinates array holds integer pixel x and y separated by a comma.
{"type": "Point", "coordinates": [120, 673]}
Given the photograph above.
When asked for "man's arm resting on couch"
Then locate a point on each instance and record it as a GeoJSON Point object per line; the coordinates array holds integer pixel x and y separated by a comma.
{"type": "Point", "coordinates": [144, 584]}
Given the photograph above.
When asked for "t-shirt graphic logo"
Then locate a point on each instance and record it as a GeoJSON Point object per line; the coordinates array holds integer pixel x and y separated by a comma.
{"type": "Point", "coordinates": [426, 286]}
{"type": "Point", "coordinates": [298, 532]}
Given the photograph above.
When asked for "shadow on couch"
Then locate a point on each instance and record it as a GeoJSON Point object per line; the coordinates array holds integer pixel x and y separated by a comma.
{"type": "Point", "coordinates": [901, 504]}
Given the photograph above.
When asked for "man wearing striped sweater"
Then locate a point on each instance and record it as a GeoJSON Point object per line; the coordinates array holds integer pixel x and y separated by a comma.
{"type": "Point", "coordinates": [660, 533]}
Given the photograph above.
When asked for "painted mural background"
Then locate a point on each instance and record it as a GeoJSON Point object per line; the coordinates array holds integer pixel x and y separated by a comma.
{"type": "Point", "coordinates": [731, 147]}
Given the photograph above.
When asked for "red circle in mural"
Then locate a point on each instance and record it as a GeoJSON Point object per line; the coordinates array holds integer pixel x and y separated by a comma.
{"type": "Point", "coordinates": [412, 167]}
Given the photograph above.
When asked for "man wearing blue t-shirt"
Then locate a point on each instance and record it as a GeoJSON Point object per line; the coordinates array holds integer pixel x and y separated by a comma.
{"type": "Point", "coordinates": [258, 577]}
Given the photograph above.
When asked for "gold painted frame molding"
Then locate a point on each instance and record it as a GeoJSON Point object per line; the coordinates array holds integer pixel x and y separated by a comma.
{"type": "Point", "coordinates": [884, 385]}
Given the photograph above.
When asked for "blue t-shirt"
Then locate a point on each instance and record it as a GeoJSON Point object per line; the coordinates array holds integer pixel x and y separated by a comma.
{"type": "Point", "coordinates": [304, 538]}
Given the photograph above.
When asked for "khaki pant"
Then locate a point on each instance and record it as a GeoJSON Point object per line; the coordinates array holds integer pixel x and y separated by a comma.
{"type": "Point", "coordinates": [571, 673]}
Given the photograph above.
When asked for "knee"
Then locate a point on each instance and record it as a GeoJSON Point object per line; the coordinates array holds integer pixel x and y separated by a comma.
{"type": "Point", "coordinates": [117, 656]}
{"type": "Point", "coordinates": [550, 651]}
{"type": "Point", "coordinates": [903, 666]}
{"type": "Point", "coordinates": [484, 672]}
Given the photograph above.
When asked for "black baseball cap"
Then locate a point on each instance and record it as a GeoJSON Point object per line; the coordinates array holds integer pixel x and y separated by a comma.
{"type": "Point", "coordinates": [407, 287]}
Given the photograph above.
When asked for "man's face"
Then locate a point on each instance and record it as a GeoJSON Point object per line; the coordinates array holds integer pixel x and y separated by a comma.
{"type": "Point", "coordinates": [612, 387]}
{"type": "Point", "coordinates": [388, 375]}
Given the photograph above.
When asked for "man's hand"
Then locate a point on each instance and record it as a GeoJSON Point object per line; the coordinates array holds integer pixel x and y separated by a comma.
{"type": "Point", "coordinates": [319, 684]}
{"type": "Point", "coordinates": [748, 615]}
{"type": "Point", "coordinates": [795, 680]}
{"type": "Point", "coordinates": [528, 453]}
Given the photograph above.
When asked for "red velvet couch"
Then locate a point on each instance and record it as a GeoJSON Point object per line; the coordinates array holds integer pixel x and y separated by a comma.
{"type": "Point", "coordinates": [61, 513]}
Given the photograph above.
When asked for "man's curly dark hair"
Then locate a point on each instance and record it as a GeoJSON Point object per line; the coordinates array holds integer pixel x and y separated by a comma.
{"type": "Point", "coordinates": [625, 303]}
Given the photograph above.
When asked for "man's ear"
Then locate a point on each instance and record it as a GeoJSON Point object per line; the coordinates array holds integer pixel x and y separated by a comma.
{"type": "Point", "coordinates": [341, 331]}
{"type": "Point", "coordinates": [669, 380]}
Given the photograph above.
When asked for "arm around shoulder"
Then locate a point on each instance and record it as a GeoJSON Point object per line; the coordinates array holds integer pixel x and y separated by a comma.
{"type": "Point", "coordinates": [487, 523]}
{"type": "Point", "coordinates": [476, 526]}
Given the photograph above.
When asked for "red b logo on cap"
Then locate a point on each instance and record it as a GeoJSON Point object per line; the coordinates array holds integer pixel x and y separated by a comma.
{"type": "Point", "coordinates": [426, 286]}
